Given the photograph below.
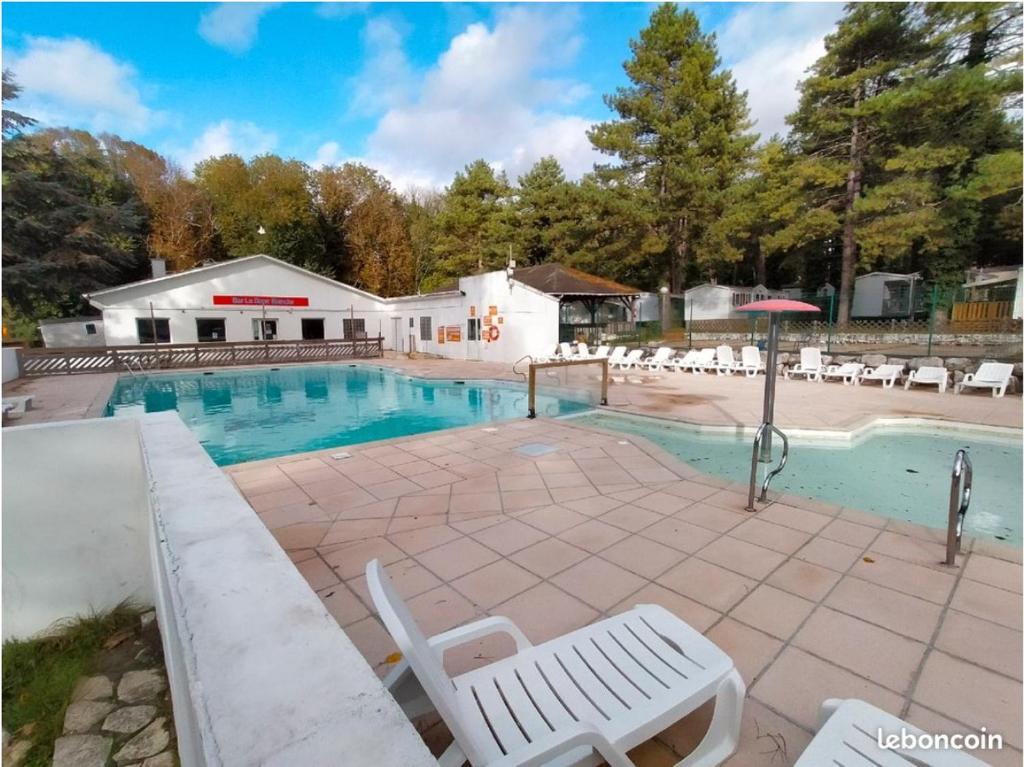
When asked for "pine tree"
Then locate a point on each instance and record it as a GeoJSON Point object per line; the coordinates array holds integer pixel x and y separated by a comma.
{"type": "Point", "coordinates": [13, 122]}
{"type": "Point", "coordinates": [547, 214]}
{"type": "Point", "coordinates": [680, 132]}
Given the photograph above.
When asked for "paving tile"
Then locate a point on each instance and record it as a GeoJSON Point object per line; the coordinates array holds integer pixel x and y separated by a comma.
{"type": "Point", "coordinates": [573, 479]}
{"type": "Point", "coordinates": [324, 488]}
{"type": "Point", "coordinates": [711, 517]}
{"type": "Point", "coordinates": [693, 613]}
{"type": "Point", "coordinates": [494, 583]}
{"type": "Point", "coordinates": [373, 476]}
{"type": "Point", "coordinates": [728, 499]}
{"type": "Point", "coordinates": [349, 560]}
{"type": "Point", "coordinates": [301, 555]}
{"type": "Point", "coordinates": [997, 605]}
{"type": "Point", "coordinates": [706, 583]}
{"type": "Point", "coordinates": [745, 558]}
{"type": "Point", "coordinates": [693, 491]}
{"type": "Point", "coordinates": [631, 518]}
{"type": "Point", "coordinates": [290, 515]}
{"type": "Point", "coordinates": [810, 504]}
{"type": "Point", "coordinates": [769, 535]}
{"type": "Point", "coordinates": [553, 519]}
{"type": "Point", "coordinates": [435, 478]}
{"type": "Point", "coordinates": [471, 655]}
{"type": "Point", "coordinates": [751, 650]}
{"type": "Point", "coordinates": [405, 524]}
{"type": "Point", "coordinates": [520, 481]}
{"type": "Point", "coordinates": [508, 537]}
{"type": "Point", "coordinates": [875, 653]}
{"type": "Point", "coordinates": [317, 574]}
{"type": "Point", "coordinates": [515, 500]}
{"type": "Point", "coordinates": [419, 505]}
{"type": "Point", "coordinates": [766, 739]}
{"type": "Point", "coordinates": [278, 499]}
{"type": "Point", "coordinates": [835, 556]}
{"type": "Point", "coordinates": [914, 550]}
{"type": "Point", "coordinates": [413, 542]}
{"type": "Point", "coordinates": [804, 579]}
{"type": "Point", "coordinates": [773, 611]}
{"type": "Point", "coordinates": [564, 495]}
{"type": "Point", "coordinates": [979, 641]}
{"type": "Point", "coordinates": [459, 557]}
{"type": "Point", "coordinates": [548, 557]}
{"type": "Point", "coordinates": [441, 609]}
{"type": "Point", "coordinates": [663, 503]}
{"type": "Point", "coordinates": [593, 535]}
{"type": "Point", "coordinates": [409, 577]}
{"type": "Point", "coordinates": [792, 517]}
{"type": "Point", "coordinates": [374, 643]}
{"type": "Point", "coordinates": [471, 523]}
{"type": "Point", "coordinates": [994, 572]}
{"type": "Point", "coordinates": [642, 556]}
{"type": "Point", "coordinates": [545, 612]}
{"type": "Point", "coordinates": [593, 506]}
{"type": "Point", "coordinates": [975, 696]}
{"type": "Point", "coordinates": [796, 683]}
{"type": "Point", "coordinates": [902, 576]}
{"type": "Point", "coordinates": [342, 603]}
{"type": "Point", "coordinates": [483, 484]}
{"type": "Point", "coordinates": [393, 488]}
{"type": "Point", "coordinates": [302, 536]}
{"type": "Point", "coordinates": [598, 583]}
{"type": "Point", "coordinates": [357, 504]}
{"type": "Point", "coordinates": [863, 518]}
{"type": "Point", "coordinates": [679, 535]}
{"type": "Point", "coordinates": [849, 533]}
{"type": "Point", "coordinates": [347, 530]}
{"type": "Point", "coordinates": [470, 502]}
{"type": "Point", "coordinates": [910, 616]}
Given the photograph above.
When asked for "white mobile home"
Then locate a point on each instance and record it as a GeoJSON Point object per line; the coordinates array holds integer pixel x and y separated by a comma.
{"type": "Point", "coordinates": [886, 295]}
{"type": "Point", "coordinates": [72, 331]}
{"type": "Point", "coordinates": [719, 302]}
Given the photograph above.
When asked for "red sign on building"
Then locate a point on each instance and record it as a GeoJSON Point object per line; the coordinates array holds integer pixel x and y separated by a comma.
{"type": "Point", "coordinates": [260, 301]}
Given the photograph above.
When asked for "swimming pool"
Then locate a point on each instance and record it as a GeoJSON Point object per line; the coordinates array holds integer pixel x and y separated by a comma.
{"type": "Point", "coordinates": [247, 415]}
{"type": "Point", "coordinates": [894, 472]}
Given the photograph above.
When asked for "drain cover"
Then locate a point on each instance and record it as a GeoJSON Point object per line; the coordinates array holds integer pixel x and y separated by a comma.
{"type": "Point", "coordinates": [533, 449]}
{"type": "Point", "coordinates": [341, 456]}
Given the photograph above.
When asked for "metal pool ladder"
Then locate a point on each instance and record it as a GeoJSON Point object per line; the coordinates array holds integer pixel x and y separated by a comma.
{"type": "Point", "coordinates": [959, 501]}
{"type": "Point", "coordinates": [765, 428]}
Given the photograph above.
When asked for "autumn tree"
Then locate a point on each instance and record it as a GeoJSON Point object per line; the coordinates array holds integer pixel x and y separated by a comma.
{"type": "Point", "coordinates": [681, 132]}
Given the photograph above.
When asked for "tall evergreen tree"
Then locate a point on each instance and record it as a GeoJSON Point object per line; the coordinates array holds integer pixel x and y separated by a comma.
{"type": "Point", "coordinates": [681, 132]}
{"type": "Point", "coordinates": [13, 122]}
{"type": "Point", "coordinates": [547, 214]}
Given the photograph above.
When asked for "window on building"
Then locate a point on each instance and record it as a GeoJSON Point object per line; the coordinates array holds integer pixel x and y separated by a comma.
{"type": "Point", "coordinates": [472, 329]}
{"type": "Point", "coordinates": [312, 329]}
{"type": "Point", "coordinates": [153, 331]}
{"type": "Point", "coordinates": [353, 328]}
{"type": "Point", "coordinates": [90, 328]}
{"type": "Point", "coordinates": [208, 330]}
{"type": "Point", "coordinates": [412, 322]}
{"type": "Point", "coordinates": [264, 330]}
{"type": "Point", "coordinates": [425, 329]}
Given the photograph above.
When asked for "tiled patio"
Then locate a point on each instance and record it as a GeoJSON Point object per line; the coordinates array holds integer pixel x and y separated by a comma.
{"type": "Point", "coordinates": [812, 601]}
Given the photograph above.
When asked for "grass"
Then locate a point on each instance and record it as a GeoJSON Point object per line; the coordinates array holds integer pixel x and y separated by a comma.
{"type": "Point", "coordinates": [39, 674]}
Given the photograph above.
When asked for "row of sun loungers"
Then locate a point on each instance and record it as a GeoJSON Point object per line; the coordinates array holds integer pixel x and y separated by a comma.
{"type": "Point", "coordinates": [721, 360]}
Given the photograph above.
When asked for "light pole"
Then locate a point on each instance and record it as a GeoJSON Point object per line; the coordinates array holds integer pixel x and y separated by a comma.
{"type": "Point", "coordinates": [665, 314]}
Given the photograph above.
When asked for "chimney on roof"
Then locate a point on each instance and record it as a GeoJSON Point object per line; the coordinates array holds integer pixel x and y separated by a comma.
{"type": "Point", "coordinates": [158, 267]}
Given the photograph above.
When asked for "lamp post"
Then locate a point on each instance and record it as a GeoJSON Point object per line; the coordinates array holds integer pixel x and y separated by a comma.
{"type": "Point", "coordinates": [665, 315]}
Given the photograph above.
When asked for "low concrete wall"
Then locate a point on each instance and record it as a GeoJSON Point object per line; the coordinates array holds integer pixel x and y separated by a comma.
{"type": "Point", "coordinates": [75, 522]}
{"type": "Point", "coordinates": [10, 363]}
{"type": "Point", "coordinates": [260, 672]}
{"type": "Point", "coordinates": [904, 339]}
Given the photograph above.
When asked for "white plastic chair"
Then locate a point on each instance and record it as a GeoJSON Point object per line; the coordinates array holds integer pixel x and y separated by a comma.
{"type": "Point", "coordinates": [934, 376]}
{"type": "Point", "coordinates": [565, 349]}
{"type": "Point", "coordinates": [602, 352]}
{"type": "Point", "coordinates": [750, 361]}
{"type": "Point", "coordinates": [991, 375]}
{"type": "Point", "coordinates": [630, 361]}
{"type": "Point", "coordinates": [604, 688]}
{"type": "Point", "coordinates": [658, 360]}
{"type": "Point", "coordinates": [848, 371]}
{"type": "Point", "coordinates": [887, 374]}
{"type": "Point", "coordinates": [687, 361]}
{"type": "Point", "coordinates": [618, 353]}
{"type": "Point", "coordinates": [726, 361]}
{"type": "Point", "coordinates": [848, 735]}
{"type": "Point", "coordinates": [809, 366]}
{"type": "Point", "coordinates": [582, 352]}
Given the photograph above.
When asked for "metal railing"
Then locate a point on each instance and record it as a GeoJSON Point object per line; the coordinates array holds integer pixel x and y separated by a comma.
{"type": "Point", "coordinates": [108, 359]}
{"type": "Point", "coordinates": [959, 501]}
{"type": "Point", "coordinates": [535, 366]}
{"type": "Point", "coordinates": [758, 436]}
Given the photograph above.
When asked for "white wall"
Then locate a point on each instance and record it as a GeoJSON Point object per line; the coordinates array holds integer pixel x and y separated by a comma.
{"type": "Point", "coordinates": [75, 521]}
{"type": "Point", "coordinates": [709, 302]}
{"type": "Point", "coordinates": [867, 295]}
{"type": "Point", "coordinates": [10, 363]}
{"type": "Point", "coordinates": [72, 333]}
{"type": "Point", "coordinates": [1018, 296]}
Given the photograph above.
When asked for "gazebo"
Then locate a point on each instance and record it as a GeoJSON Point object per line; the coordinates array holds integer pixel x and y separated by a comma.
{"type": "Point", "coordinates": [588, 304]}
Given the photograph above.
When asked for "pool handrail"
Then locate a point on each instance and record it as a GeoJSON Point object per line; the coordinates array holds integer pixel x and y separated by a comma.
{"type": "Point", "coordinates": [758, 435]}
{"type": "Point", "coordinates": [959, 502]}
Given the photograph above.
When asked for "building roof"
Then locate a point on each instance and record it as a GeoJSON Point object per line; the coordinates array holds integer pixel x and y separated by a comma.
{"type": "Point", "coordinates": [911, 276]}
{"type": "Point", "coordinates": [560, 280]}
{"type": "Point", "coordinates": [66, 320]}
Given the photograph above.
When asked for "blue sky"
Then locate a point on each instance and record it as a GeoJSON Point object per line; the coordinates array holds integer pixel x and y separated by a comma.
{"type": "Point", "coordinates": [416, 90]}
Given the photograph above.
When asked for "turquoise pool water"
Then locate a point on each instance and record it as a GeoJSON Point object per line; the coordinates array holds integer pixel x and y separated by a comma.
{"type": "Point", "coordinates": [903, 475]}
{"type": "Point", "coordinates": [246, 415]}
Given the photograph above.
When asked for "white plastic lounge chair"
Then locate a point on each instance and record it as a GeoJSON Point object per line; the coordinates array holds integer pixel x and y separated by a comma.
{"type": "Point", "coordinates": [848, 371]}
{"type": "Point", "coordinates": [809, 365]}
{"type": "Point", "coordinates": [848, 735]}
{"type": "Point", "coordinates": [602, 352]}
{"type": "Point", "coordinates": [658, 360]}
{"type": "Point", "coordinates": [726, 363]}
{"type": "Point", "coordinates": [604, 688]}
{"type": "Point", "coordinates": [929, 375]}
{"type": "Point", "coordinates": [750, 361]}
{"type": "Point", "coordinates": [630, 361]}
{"type": "Point", "coordinates": [887, 374]}
{"type": "Point", "coordinates": [991, 375]}
{"type": "Point", "coordinates": [618, 353]}
{"type": "Point", "coordinates": [686, 362]}
{"type": "Point", "coordinates": [705, 360]}
{"type": "Point", "coordinates": [582, 352]}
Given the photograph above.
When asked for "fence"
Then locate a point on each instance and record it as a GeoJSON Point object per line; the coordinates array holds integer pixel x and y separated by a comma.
{"type": "Point", "coordinates": [72, 360]}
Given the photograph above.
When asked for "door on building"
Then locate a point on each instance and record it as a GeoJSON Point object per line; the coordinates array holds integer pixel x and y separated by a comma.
{"type": "Point", "coordinates": [396, 323]}
{"type": "Point", "coordinates": [473, 338]}
{"type": "Point", "coordinates": [312, 328]}
{"type": "Point", "coordinates": [264, 330]}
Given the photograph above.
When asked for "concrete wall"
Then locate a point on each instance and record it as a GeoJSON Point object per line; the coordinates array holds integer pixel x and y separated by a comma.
{"type": "Point", "coordinates": [72, 333]}
{"type": "Point", "coordinates": [75, 521]}
{"type": "Point", "coordinates": [10, 363]}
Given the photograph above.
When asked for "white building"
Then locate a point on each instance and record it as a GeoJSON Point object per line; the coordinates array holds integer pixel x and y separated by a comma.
{"type": "Point", "coordinates": [719, 302]}
{"type": "Point", "coordinates": [490, 317]}
{"type": "Point", "coordinates": [886, 295]}
{"type": "Point", "coordinates": [72, 331]}
{"type": "Point", "coordinates": [996, 285]}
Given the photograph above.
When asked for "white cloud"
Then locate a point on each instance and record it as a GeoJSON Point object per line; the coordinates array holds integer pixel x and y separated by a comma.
{"type": "Point", "coordinates": [225, 137]}
{"type": "Point", "coordinates": [386, 78]}
{"type": "Point", "coordinates": [70, 81]}
{"type": "Point", "coordinates": [328, 153]}
{"type": "Point", "coordinates": [233, 26]}
{"type": "Point", "coordinates": [340, 10]}
{"type": "Point", "coordinates": [769, 47]}
{"type": "Point", "coordinates": [489, 95]}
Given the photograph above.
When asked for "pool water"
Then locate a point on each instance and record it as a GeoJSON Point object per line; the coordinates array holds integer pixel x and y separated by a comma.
{"type": "Point", "coordinates": [898, 474]}
{"type": "Point", "coordinates": [247, 415]}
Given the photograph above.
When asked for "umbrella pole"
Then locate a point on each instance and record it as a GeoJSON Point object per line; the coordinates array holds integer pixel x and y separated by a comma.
{"type": "Point", "coordinates": [769, 386]}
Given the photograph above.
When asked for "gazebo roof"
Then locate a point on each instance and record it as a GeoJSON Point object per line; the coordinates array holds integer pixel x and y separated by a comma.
{"type": "Point", "coordinates": [562, 281]}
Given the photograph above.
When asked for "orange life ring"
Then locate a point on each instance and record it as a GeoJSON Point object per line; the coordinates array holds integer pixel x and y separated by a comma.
{"type": "Point", "coordinates": [494, 333]}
